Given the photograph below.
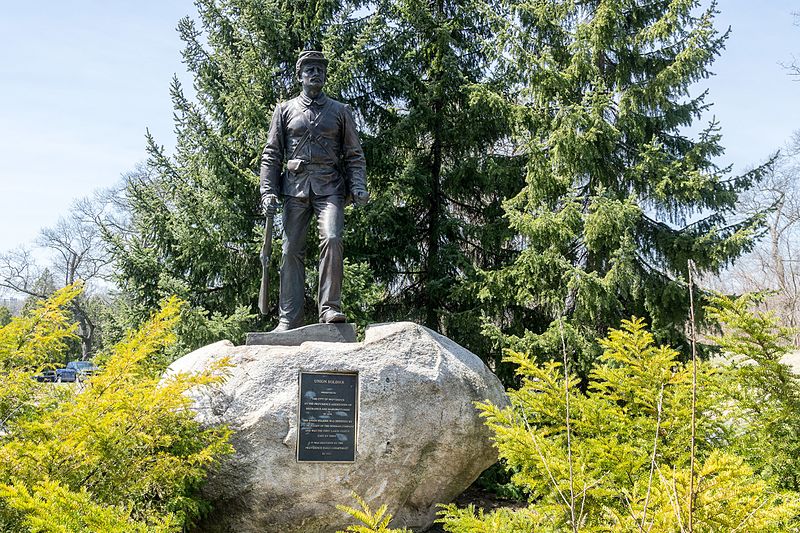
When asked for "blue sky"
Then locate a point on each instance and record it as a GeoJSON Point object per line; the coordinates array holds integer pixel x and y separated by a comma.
{"type": "Point", "coordinates": [82, 80]}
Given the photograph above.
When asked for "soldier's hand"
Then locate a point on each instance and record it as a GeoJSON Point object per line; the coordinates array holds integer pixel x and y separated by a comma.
{"type": "Point", "coordinates": [270, 204]}
{"type": "Point", "coordinates": [360, 196]}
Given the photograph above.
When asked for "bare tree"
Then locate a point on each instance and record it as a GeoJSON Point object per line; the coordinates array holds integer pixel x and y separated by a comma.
{"type": "Point", "coordinates": [774, 264]}
{"type": "Point", "coordinates": [75, 252]}
{"type": "Point", "coordinates": [794, 66]}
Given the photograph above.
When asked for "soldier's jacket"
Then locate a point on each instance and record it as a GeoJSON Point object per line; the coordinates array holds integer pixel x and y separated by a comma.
{"type": "Point", "coordinates": [323, 143]}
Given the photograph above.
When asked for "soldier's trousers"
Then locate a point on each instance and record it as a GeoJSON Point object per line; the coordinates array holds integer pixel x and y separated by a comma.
{"type": "Point", "coordinates": [330, 223]}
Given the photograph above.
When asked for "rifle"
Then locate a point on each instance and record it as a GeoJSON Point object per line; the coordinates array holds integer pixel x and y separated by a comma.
{"type": "Point", "coordinates": [266, 252]}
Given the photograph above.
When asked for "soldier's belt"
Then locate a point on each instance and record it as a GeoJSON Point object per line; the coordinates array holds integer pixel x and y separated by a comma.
{"type": "Point", "coordinates": [298, 166]}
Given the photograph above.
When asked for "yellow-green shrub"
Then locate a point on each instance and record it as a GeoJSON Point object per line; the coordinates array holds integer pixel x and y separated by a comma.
{"type": "Point", "coordinates": [621, 461]}
{"type": "Point", "coordinates": [120, 453]}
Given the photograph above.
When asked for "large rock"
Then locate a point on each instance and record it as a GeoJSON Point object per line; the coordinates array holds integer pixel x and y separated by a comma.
{"type": "Point", "coordinates": [420, 439]}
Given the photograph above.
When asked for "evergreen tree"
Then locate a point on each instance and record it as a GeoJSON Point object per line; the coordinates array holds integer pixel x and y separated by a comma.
{"type": "Point", "coordinates": [439, 159]}
{"type": "Point", "coordinates": [634, 452]}
{"type": "Point", "coordinates": [619, 195]}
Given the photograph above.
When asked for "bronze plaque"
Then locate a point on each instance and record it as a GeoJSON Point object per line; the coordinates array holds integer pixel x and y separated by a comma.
{"type": "Point", "coordinates": [328, 423]}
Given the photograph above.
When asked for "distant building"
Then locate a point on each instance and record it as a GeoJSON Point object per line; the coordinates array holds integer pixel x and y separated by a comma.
{"type": "Point", "coordinates": [13, 304]}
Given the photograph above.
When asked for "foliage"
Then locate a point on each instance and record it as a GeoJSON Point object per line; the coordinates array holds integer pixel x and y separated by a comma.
{"type": "Point", "coordinates": [497, 480]}
{"type": "Point", "coordinates": [618, 195]}
{"type": "Point", "coordinates": [5, 315]}
{"type": "Point", "coordinates": [439, 159]}
{"type": "Point", "coordinates": [199, 327]}
{"type": "Point", "coordinates": [360, 294]}
{"type": "Point", "coordinates": [501, 520]}
{"type": "Point", "coordinates": [374, 522]}
{"type": "Point", "coordinates": [617, 457]}
{"type": "Point", "coordinates": [764, 392]}
{"type": "Point", "coordinates": [50, 507]}
{"type": "Point", "coordinates": [122, 452]}
{"type": "Point", "coordinates": [28, 344]}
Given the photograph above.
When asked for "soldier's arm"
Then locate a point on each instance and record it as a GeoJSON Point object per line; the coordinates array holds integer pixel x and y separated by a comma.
{"type": "Point", "coordinates": [352, 154]}
{"type": "Point", "coordinates": [272, 158]}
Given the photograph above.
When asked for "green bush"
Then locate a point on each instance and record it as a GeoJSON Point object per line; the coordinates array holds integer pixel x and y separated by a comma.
{"type": "Point", "coordinates": [119, 453]}
{"type": "Point", "coordinates": [618, 457]}
{"type": "Point", "coordinates": [622, 456]}
{"type": "Point", "coordinates": [763, 393]}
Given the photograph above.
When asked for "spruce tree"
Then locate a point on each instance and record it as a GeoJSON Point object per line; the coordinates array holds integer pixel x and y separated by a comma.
{"type": "Point", "coordinates": [438, 158]}
{"type": "Point", "coordinates": [619, 193]}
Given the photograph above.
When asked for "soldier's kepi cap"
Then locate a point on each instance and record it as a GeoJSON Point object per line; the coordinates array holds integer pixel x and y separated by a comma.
{"type": "Point", "coordinates": [309, 56]}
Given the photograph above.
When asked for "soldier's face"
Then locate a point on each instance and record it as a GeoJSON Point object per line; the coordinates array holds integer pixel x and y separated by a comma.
{"type": "Point", "coordinates": [312, 76]}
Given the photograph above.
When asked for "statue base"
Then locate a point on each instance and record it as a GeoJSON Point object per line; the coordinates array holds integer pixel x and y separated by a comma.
{"type": "Point", "coordinates": [419, 440]}
{"type": "Point", "coordinates": [340, 332]}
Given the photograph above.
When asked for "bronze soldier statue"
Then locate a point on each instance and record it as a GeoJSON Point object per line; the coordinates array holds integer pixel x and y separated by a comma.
{"type": "Point", "coordinates": [316, 137]}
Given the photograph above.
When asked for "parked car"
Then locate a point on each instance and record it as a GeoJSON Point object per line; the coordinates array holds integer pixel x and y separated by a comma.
{"type": "Point", "coordinates": [66, 375]}
{"type": "Point", "coordinates": [46, 376]}
{"type": "Point", "coordinates": [75, 370]}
